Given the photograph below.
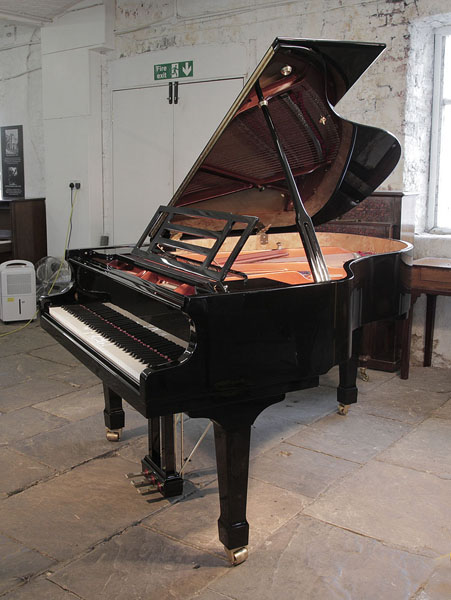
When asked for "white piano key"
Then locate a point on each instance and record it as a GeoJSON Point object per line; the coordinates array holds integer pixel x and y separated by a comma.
{"type": "Point", "coordinates": [106, 348]}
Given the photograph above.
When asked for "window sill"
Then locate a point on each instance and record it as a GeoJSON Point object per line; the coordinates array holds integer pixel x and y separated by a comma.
{"type": "Point", "coordinates": [432, 244]}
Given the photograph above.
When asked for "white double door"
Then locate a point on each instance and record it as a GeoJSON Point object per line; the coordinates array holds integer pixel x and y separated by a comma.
{"type": "Point", "coordinates": [155, 144]}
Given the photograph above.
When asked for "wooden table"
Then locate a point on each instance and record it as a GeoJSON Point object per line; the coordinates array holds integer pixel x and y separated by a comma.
{"type": "Point", "coordinates": [430, 276]}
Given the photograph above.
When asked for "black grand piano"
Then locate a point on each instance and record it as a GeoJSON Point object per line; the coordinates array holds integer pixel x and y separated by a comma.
{"type": "Point", "coordinates": [229, 299]}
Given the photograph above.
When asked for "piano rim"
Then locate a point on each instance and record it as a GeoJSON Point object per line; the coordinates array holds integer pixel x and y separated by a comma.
{"type": "Point", "coordinates": [179, 301]}
{"type": "Point", "coordinates": [136, 392]}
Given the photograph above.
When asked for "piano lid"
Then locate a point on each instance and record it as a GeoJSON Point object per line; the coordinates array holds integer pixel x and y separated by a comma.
{"type": "Point", "coordinates": [336, 163]}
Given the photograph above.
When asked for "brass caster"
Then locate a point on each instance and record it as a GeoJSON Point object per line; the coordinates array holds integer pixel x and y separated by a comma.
{"type": "Point", "coordinates": [343, 409]}
{"type": "Point", "coordinates": [237, 556]}
{"type": "Point", "coordinates": [113, 435]}
{"type": "Point", "coordinates": [363, 374]}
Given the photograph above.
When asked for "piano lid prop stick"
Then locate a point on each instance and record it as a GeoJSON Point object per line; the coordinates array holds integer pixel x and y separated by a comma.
{"type": "Point", "coordinates": [182, 449]}
{"type": "Point", "coordinates": [196, 446]}
{"type": "Point", "coordinates": [303, 221]}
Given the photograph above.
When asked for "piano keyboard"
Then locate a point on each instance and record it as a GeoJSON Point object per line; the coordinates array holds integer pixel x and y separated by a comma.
{"type": "Point", "coordinates": [126, 341]}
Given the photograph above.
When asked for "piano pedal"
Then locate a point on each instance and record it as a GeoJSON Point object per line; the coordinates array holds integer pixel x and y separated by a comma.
{"type": "Point", "coordinates": [148, 491]}
{"type": "Point", "coordinates": [113, 435]}
{"type": "Point", "coordinates": [133, 475]}
{"type": "Point", "coordinates": [140, 484]}
{"type": "Point", "coordinates": [145, 487]}
{"type": "Point", "coordinates": [144, 473]}
{"type": "Point", "coordinates": [148, 485]}
{"type": "Point", "coordinates": [237, 555]}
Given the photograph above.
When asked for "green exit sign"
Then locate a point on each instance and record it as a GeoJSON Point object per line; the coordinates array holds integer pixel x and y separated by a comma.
{"type": "Point", "coordinates": [173, 70]}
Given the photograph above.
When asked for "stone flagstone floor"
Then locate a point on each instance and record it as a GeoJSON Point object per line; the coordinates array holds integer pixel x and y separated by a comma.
{"type": "Point", "coordinates": [355, 507]}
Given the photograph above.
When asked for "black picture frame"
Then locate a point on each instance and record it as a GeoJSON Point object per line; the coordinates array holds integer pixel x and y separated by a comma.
{"type": "Point", "coordinates": [13, 175]}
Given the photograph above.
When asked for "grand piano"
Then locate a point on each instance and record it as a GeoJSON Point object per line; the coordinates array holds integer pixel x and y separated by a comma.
{"type": "Point", "coordinates": [230, 300]}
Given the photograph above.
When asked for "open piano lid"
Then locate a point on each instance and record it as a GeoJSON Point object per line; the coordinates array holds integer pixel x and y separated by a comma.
{"type": "Point", "coordinates": [335, 163]}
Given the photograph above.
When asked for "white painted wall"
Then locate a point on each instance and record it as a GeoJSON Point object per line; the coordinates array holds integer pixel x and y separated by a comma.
{"type": "Point", "coordinates": [73, 149]}
{"type": "Point", "coordinates": [72, 115]}
{"type": "Point", "coordinates": [21, 98]}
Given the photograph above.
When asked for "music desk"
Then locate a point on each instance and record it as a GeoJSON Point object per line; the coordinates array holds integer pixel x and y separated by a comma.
{"type": "Point", "coordinates": [430, 276]}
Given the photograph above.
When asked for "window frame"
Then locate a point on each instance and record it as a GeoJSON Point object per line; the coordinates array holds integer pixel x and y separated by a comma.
{"type": "Point", "coordinates": [440, 35]}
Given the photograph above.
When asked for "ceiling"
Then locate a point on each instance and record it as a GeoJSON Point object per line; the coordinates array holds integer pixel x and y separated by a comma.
{"type": "Point", "coordinates": [33, 12]}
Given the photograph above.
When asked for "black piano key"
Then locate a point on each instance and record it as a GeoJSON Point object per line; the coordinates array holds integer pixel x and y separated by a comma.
{"type": "Point", "coordinates": [141, 343]}
{"type": "Point", "coordinates": [138, 341]}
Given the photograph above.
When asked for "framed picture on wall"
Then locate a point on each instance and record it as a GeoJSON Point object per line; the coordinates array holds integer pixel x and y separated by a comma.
{"type": "Point", "coordinates": [13, 178]}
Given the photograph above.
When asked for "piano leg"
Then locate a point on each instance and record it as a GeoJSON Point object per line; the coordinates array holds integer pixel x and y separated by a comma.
{"type": "Point", "coordinates": [113, 414]}
{"type": "Point", "coordinates": [232, 443]}
{"type": "Point", "coordinates": [232, 427]}
{"type": "Point", "coordinates": [159, 465]}
{"type": "Point", "coordinates": [347, 388]}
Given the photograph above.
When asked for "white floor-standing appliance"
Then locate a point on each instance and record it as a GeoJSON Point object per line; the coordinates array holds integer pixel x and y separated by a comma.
{"type": "Point", "coordinates": [17, 290]}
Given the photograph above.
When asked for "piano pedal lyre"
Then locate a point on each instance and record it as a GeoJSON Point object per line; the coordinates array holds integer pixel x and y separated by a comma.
{"type": "Point", "coordinates": [236, 556]}
{"type": "Point", "coordinates": [113, 435]}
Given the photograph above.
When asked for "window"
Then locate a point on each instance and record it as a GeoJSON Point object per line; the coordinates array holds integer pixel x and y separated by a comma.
{"type": "Point", "coordinates": [440, 173]}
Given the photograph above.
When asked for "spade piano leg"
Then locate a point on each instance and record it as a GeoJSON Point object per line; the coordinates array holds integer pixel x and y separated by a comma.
{"type": "Point", "coordinates": [347, 388]}
{"type": "Point", "coordinates": [232, 427]}
{"type": "Point", "coordinates": [232, 442]}
{"type": "Point", "coordinates": [113, 414]}
{"type": "Point", "coordinates": [159, 465]}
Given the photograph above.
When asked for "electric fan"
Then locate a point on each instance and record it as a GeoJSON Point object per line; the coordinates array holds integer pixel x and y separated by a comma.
{"type": "Point", "coordinates": [53, 276]}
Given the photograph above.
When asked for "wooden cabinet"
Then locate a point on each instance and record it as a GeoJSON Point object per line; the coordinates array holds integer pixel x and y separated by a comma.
{"type": "Point", "coordinates": [23, 229]}
{"type": "Point", "coordinates": [383, 214]}
{"type": "Point", "coordinates": [386, 215]}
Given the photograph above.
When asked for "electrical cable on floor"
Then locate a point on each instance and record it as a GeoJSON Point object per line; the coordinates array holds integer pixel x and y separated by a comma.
{"type": "Point", "coordinates": [73, 198]}
{"type": "Point", "coordinates": [21, 327]}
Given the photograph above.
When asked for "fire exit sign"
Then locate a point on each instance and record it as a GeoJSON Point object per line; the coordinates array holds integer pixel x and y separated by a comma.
{"type": "Point", "coordinates": [173, 70]}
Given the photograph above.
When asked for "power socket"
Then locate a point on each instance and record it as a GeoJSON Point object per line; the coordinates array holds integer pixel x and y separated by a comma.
{"type": "Point", "coordinates": [75, 183]}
